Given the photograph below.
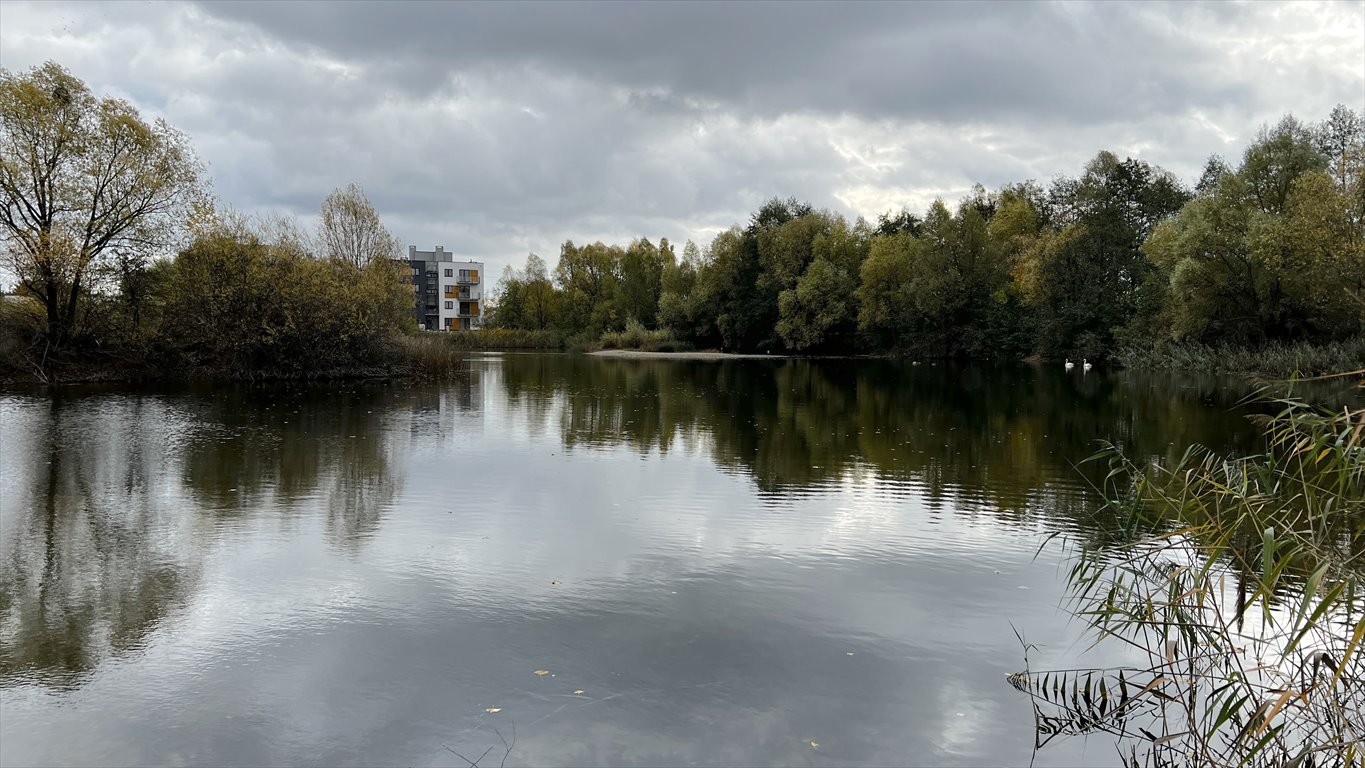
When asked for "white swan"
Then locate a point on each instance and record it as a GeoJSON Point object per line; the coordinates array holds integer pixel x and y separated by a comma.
{"type": "Point", "coordinates": [1085, 366]}
{"type": "Point", "coordinates": [1069, 364]}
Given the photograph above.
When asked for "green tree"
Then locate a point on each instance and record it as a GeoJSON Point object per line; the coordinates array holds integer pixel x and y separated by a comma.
{"type": "Point", "coordinates": [540, 300]}
{"type": "Point", "coordinates": [1090, 275]}
{"type": "Point", "coordinates": [886, 308]}
{"type": "Point", "coordinates": [946, 292]}
{"type": "Point", "coordinates": [723, 302]}
{"type": "Point", "coordinates": [1217, 289]}
{"type": "Point", "coordinates": [505, 309]}
{"type": "Point", "coordinates": [954, 282]}
{"type": "Point", "coordinates": [1215, 168]}
{"type": "Point", "coordinates": [589, 277]}
{"type": "Point", "coordinates": [749, 271]}
{"type": "Point", "coordinates": [1278, 157]}
{"type": "Point", "coordinates": [822, 300]}
{"type": "Point", "coordinates": [676, 285]}
{"type": "Point", "coordinates": [526, 299]}
{"type": "Point", "coordinates": [82, 178]}
{"type": "Point", "coordinates": [642, 269]}
{"type": "Point", "coordinates": [902, 221]}
{"type": "Point", "coordinates": [1011, 233]}
{"type": "Point", "coordinates": [785, 250]}
{"type": "Point", "coordinates": [1322, 230]}
{"type": "Point", "coordinates": [821, 309]}
{"type": "Point", "coordinates": [1271, 251]}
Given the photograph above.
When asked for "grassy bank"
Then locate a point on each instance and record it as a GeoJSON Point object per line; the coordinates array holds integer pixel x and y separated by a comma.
{"type": "Point", "coordinates": [1271, 360]}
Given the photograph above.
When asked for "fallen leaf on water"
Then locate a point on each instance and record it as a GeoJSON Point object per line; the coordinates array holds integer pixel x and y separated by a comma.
{"type": "Point", "coordinates": [493, 710]}
{"type": "Point", "coordinates": [541, 672]}
{"type": "Point", "coordinates": [578, 692]}
{"type": "Point", "coordinates": [815, 745]}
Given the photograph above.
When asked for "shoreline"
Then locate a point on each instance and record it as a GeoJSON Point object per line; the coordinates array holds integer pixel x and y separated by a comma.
{"type": "Point", "coordinates": [637, 354]}
{"type": "Point", "coordinates": [1210, 361]}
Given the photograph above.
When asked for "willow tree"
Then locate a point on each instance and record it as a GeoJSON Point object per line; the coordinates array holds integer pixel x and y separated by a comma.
{"type": "Point", "coordinates": [83, 178]}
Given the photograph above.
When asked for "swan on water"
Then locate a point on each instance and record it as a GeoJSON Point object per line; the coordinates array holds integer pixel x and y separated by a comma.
{"type": "Point", "coordinates": [1069, 364]}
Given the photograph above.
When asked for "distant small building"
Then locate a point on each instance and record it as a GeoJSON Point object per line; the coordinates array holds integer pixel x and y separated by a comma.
{"type": "Point", "coordinates": [447, 294]}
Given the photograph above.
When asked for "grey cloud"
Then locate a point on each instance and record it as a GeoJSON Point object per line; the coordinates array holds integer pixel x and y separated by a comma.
{"type": "Point", "coordinates": [498, 129]}
{"type": "Point", "coordinates": [909, 60]}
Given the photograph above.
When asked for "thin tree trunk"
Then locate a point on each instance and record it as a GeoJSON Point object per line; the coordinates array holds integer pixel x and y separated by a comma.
{"type": "Point", "coordinates": [69, 320]}
{"type": "Point", "coordinates": [52, 303]}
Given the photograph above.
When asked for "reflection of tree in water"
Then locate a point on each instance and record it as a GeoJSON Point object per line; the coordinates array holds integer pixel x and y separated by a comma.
{"type": "Point", "coordinates": [531, 391]}
{"type": "Point", "coordinates": [125, 494]}
{"type": "Point", "coordinates": [360, 460]}
{"type": "Point", "coordinates": [272, 448]}
{"type": "Point", "coordinates": [362, 484]}
{"type": "Point", "coordinates": [971, 437]}
{"type": "Point", "coordinates": [101, 555]}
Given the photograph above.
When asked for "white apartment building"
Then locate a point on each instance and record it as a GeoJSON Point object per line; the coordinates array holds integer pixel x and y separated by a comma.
{"type": "Point", "coordinates": [447, 294]}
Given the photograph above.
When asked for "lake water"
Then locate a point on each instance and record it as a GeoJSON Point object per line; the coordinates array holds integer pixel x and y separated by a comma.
{"type": "Point", "coordinates": [624, 562]}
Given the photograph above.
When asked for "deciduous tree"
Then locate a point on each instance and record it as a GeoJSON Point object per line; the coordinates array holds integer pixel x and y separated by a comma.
{"type": "Point", "coordinates": [349, 228]}
{"type": "Point", "coordinates": [81, 178]}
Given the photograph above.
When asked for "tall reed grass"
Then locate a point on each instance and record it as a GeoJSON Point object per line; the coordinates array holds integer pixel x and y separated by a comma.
{"type": "Point", "coordinates": [434, 354]}
{"type": "Point", "coordinates": [1241, 593]}
{"type": "Point", "coordinates": [502, 338]}
{"type": "Point", "coordinates": [636, 336]}
{"type": "Point", "coordinates": [1272, 360]}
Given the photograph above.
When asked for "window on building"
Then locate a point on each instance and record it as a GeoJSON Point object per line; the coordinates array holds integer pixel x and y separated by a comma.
{"type": "Point", "coordinates": [448, 272]}
{"type": "Point", "coordinates": [450, 305]}
{"type": "Point", "coordinates": [448, 319]}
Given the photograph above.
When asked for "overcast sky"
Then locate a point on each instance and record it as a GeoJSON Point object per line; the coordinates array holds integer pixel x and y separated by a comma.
{"type": "Point", "coordinates": [500, 129]}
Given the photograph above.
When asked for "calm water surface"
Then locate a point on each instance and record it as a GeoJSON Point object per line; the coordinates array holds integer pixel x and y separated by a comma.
{"type": "Point", "coordinates": [711, 563]}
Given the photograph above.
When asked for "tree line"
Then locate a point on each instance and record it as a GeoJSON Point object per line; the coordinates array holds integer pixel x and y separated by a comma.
{"type": "Point", "coordinates": [122, 258]}
{"type": "Point", "coordinates": [120, 254]}
{"type": "Point", "coordinates": [1122, 256]}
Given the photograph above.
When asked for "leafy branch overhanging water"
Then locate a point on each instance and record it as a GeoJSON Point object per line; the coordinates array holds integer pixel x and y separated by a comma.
{"type": "Point", "coordinates": [1240, 595]}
